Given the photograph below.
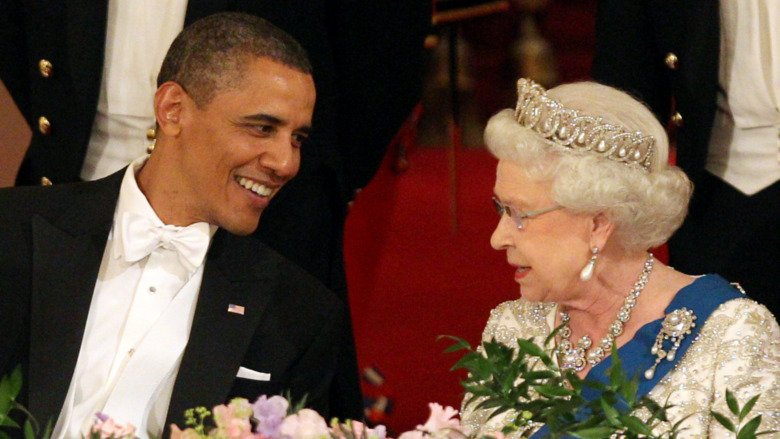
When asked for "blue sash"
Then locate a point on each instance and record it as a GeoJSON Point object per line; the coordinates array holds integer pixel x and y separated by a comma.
{"type": "Point", "coordinates": [702, 297]}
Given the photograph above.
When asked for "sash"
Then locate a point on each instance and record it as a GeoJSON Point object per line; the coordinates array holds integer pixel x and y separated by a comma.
{"type": "Point", "coordinates": [703, 297]}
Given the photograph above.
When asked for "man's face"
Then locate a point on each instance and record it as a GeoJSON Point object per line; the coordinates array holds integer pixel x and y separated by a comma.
{"type": "Point", "coordinates": [244, 145]}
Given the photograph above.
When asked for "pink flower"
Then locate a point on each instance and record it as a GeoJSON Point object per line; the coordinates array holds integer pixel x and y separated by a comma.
{"type": "Point", "coordinates": [108, 428]}
{"type": "Point", "coordinates": [358, 430]}
{"type": "Point", "coordinates": [414, 434]}
{"type": "Point", "coordinates": [189, 433]}
{"type": "Point", "coordinates": [306, 424]}
{"type": "Point", "coordinates": [440, 419]}
{"type": "Point", "coordinates": [440, 424]}
{"type": "Point", "coordinates": [233, 420]}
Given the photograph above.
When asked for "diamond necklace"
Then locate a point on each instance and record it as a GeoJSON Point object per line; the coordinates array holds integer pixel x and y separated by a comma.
{"type": "Point", "coordinates": [576, 357]}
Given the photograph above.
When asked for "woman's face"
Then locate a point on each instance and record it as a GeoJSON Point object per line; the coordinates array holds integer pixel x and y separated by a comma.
{"type": "Point", "coordinates": [551, 249]}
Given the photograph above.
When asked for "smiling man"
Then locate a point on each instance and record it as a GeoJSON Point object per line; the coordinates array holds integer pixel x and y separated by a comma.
{"type": "Point", "coordinates": [137, 295]}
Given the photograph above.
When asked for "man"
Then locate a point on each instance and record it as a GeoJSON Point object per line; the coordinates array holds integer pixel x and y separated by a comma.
{"type": "Point", "coordinates": [81, 72]}
{"type": "Point", "coordinates": [710, 68]}
{"type": "Point", "coordinates": [137, 295]}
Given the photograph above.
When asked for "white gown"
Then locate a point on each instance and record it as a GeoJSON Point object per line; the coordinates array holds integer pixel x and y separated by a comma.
{"type": "Point", "coordinates": [737, 348]}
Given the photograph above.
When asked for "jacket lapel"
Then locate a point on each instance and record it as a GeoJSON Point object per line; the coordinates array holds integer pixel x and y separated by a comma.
{"type": "Point", "coordinates": [237, 272]}
{"type": "Point", "coordinates": [67, 253]}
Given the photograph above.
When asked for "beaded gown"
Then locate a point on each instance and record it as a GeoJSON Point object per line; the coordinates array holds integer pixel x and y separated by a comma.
{"type": "Point", "coordinates": [734, 345]}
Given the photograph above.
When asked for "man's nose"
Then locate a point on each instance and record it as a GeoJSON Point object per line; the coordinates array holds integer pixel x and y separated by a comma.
{"type": "Point", "coordinates": [282, 158]}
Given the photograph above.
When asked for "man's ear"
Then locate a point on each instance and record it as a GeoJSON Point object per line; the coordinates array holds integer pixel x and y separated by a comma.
{"type": "Point", "coordinates": [601, 231]}
{"type": "Point", "coordinates": [169, 102]}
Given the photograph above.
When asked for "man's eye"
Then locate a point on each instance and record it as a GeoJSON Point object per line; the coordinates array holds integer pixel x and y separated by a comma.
{"type": "Point", "coordinates": [299, 139]}
{"type": "Point", "coordinates": [264, 129]}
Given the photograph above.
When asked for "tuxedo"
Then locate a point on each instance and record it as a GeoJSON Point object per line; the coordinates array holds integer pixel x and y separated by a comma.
{"type": "Point", "coordinates": [367, 59]}
{"type": "Point", "coordinates": [667, 54]}
{"type": "Point", "coordinates": [54, 239]}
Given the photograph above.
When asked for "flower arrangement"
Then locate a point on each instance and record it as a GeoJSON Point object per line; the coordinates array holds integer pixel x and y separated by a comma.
{"type": "Point", "coordinates": [504, 379]}
{"type": "Point", "coordinates": [273, 417]}
{"type": "Point", "coordinates": [500, 378]}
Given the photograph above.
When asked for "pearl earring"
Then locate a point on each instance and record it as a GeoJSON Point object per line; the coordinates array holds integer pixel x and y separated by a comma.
{"type": "Point", "coordinates": [587, 272]}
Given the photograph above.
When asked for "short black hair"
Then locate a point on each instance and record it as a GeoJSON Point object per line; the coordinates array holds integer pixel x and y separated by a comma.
{"type": "Point", "coordinates": [210, 55]}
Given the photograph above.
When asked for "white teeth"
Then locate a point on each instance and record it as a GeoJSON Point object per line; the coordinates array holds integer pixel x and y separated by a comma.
{"type": "Point", "coordinates": [258, 188]}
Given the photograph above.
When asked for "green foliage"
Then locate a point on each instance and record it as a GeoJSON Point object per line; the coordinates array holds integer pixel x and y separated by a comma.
{"type": "Point", "coordinates": [528, 382]}
{"type": "Point", "coordinates": [10, 386]}
{"type": "Point", "coordinates": [745, 430]}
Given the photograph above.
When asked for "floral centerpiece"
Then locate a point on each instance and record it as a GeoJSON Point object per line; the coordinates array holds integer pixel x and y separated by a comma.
{"type": "Point", "coordinates": [500, 378]}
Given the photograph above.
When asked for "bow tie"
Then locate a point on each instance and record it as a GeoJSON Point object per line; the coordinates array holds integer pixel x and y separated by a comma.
{"type": "Point", "coordinates": [140, 237]}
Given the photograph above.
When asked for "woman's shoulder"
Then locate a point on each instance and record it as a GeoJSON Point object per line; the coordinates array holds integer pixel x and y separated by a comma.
{"type": "Point", "coordinates": [518, 318]}
{"type": "Point", "coordinates": [743, 314]}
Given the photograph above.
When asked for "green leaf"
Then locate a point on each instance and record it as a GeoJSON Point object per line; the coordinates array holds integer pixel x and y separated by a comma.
{"type": "Point", "coordinates": [593, 433]}
{"type": "Point", "coordinates": [724, 421]}
{"type": "Point", "coordinates": [460, 344]}
{"type": "Point", "coordinates": [748, 407]}
{"type": "Point", "coordinates": [9, 422]}
{"type": "Point", "coordinates": [629, 388]}
{"type": "Point", "coordinates": [552, 391]}
{"type": "Point", "coordinates": [29, 432]}
{"type": "Point", "coordinates": [635, 425]}
{"type": "Point", "coordinates": [748, 431]}
{"type": "Point", "coordinates": [4, 435]}
{"type": "Point", "coordinates": [610, 412]}
{"type": "Point", "coordinates": [16, 381]}
{"type": "Point", "coordinates": [531, 348]}
{"type": "Point", "coordinates": [732, 402]}
{"type": "Point", "coordinates": [47, 430]}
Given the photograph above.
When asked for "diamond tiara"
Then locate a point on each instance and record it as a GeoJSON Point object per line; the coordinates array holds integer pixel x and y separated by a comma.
{"type": "Point", "coordinates": [564, 127]}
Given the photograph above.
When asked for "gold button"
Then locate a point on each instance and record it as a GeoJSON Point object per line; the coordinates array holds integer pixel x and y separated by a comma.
{"type": "Point", "coordinates": [671, 61]}
{"type": "Point", "coordinates": [677, 119]}
{"type": "Point", "coordinates": [151, 134]}
{"type": "Point", "coordinates": [45, 181]}
{"type": "Point", "coordinates": [46, 68]}
{"type": "Point", "coordinates": [44, 126]}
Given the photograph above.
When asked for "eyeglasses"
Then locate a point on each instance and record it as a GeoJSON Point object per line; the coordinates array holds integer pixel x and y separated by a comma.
{"type": "Point", "coordinates": [518, 217]}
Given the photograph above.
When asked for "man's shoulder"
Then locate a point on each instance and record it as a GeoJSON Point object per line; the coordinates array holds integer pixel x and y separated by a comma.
{"type": "Point", "coordinates": [51, 202]}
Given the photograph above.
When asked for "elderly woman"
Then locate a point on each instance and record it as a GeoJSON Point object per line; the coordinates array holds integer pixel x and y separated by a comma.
{"type": "Point", "coordinates": [583, 190]}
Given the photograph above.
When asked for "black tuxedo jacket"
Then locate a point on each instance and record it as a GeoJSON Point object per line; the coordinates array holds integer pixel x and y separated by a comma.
{"type": "Point", "coordinates": [367, 58]}
{"type": "Point", "coordinates": [53, 240]}
{"type": "Point", "coordinates": [634, 39]}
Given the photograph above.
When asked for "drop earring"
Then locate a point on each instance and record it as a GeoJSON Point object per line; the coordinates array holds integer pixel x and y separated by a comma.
{"type": "Point", "coordinates": [587, 272]}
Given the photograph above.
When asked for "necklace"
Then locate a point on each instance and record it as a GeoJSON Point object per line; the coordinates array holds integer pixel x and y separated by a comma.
{"type": "Point", "coordinates": [578, 357]}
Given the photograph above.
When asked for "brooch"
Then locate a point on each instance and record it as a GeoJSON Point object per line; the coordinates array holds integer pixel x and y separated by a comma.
{"type": "Point", "coordinates": [676, 325]}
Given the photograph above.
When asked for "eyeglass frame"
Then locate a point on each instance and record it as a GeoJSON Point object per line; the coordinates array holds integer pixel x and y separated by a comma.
{"type": "Point", "coordinates": [504, 209]}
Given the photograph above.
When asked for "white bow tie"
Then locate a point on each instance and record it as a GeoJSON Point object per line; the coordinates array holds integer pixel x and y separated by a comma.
{"type": "Point", "coordinates": [140, 237]}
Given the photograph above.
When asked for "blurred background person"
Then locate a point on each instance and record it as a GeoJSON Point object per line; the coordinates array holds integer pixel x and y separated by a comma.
{"type": "Point", "coordinates": [711, 70]}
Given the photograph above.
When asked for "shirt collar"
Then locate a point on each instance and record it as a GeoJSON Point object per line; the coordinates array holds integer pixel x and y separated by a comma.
{"type": "Point", "coordinates": [131, 199]}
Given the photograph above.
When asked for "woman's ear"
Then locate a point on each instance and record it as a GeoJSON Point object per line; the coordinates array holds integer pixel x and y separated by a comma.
{"type": "Point", "coordinates": [601, 231]}
{"type": "Point", "coordinates": [169, 101]}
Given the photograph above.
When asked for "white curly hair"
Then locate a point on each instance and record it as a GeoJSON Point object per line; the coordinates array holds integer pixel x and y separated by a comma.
{"type": "Point", "coordinates": [645, 207]}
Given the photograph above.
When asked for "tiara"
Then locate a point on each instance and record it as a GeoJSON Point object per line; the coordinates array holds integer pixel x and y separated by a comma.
{"type": "Point", "coordinates": [566, 128]}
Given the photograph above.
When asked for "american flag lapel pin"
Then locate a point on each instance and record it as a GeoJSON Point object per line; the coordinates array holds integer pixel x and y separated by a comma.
{"type": "Point", "coordinates": [236, 309]}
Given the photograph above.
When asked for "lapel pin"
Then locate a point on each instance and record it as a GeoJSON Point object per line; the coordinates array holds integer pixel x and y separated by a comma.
{"type": "Point", "coordinates": [236, 309]}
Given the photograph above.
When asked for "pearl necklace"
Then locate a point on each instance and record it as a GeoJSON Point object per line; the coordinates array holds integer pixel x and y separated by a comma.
{"type": "Point", "coordinates": [578, 357]}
